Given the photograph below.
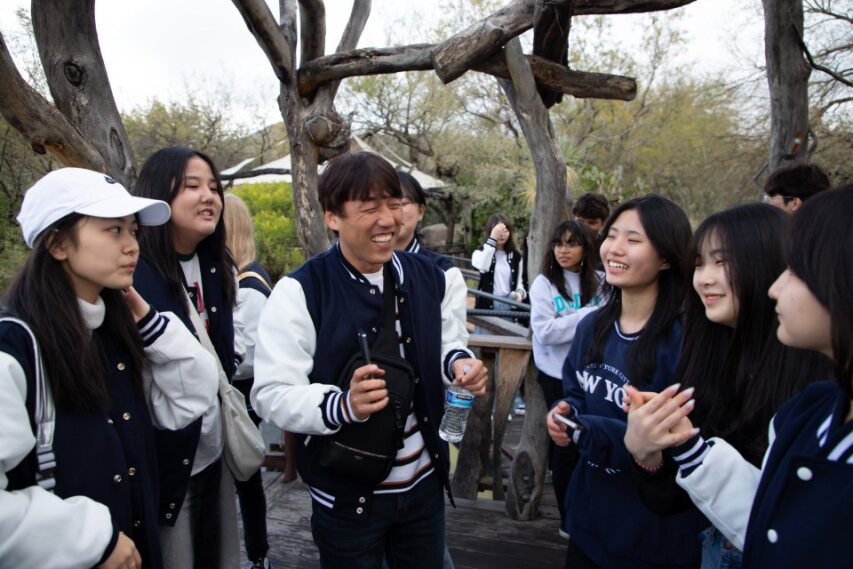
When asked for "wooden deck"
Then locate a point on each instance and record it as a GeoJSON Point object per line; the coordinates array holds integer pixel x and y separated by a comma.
{"type": "Point", "coordinates": [479, 533]}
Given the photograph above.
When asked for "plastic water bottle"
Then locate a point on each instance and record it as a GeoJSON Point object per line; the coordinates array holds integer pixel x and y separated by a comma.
{"type": "Point", "coordinates": [457, 406]}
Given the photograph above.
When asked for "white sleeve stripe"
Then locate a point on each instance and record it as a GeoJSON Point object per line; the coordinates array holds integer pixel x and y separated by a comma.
{"type": "Point", "coordinates": [680, 458]}
{"type": "Point", "coordinates": [153, 329]}
{"type": "Point", "coordinates": [321, 497]}
{"type": "Point", "coordinates": [841, 447]}
{"type": "Point", "coordinates": [696, 461]}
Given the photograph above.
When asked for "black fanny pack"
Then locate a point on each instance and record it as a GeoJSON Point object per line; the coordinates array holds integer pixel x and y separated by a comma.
{"type": "Point", "coordinates": [366, 451]}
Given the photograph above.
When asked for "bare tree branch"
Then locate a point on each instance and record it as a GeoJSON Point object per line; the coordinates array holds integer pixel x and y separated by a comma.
{"type": "Point", "coordinates": [837, 76]}
{"type": "Point", "coordinates": [605, 7]}
{"type": "Point", "coordinates": [377, 61]}
{"type": "Point", "coordinates": [349, 41]}
{"type": "Point", "coordinates": [312, 20]}
{"type": "Point", "coordinates": [458, 53]}
{"type": "Point", "coordinates": [825, 10]}
{"type": "Point", "coordinates": [262, 25]}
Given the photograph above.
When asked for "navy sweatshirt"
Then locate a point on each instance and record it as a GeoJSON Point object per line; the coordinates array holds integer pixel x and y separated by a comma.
{"type": "Point", "coordinates": [607, 519]}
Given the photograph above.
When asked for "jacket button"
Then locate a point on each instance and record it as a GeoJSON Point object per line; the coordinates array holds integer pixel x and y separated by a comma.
{"type": "Point", "coordinates": [213, 309]}
{"type": "Point", "coordinates": [131, 471]}
{"type": "Point", "coordinates": [110, 421]}
{"type": "Point", "coordinates": [373, 330]}
{"type": "Point", "coordinates": [426, 419]}
{"type": "Point", "coordinates": [125, 416]}
{"type": "Point", "coordinates": [402, 300]}
{"type": "Point", "coordinates": [121, 366]}
{"type": "Point", "coordinates": [804, 473]}
{"type": "Point", "coordinates": [772, 536]}
{"type": "Point", "coordinates": [185, 462]}
{"type": "Point", "coordinates": [169, 516]}
{"type": "Point", "coordinates": [359, 510]}
{"type": "Point", "coordinates": [117, 478]}
{"type": "Point", "coordinates": [417, 380]}
{"type": "Point", "coordinates": [373, 291]}
{"type": "Point", "coordinates": [137, 523]}
{"type": "Point", "coordinates": [212, 269]}
{"type": "Point", "coordinates": [408, 340]}
{"type": "Point", "coordinates": [171, 505]}
{"type": "Point", "coordinates": [361, 500]}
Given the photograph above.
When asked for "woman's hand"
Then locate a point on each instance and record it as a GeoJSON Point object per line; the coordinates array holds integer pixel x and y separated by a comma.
{"type": "Point", "coordinates": [138, 307]}
{"type": "Point", "coordinates": [657, 421]}
{"type": "Point", "coordinates": [124, 555]}
{"type": "Point", "coordinates": [498, 231]}
{"type": "Point", "coordinates": [557, 430]}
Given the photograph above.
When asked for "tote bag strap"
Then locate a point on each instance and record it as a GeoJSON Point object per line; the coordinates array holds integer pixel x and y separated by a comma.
{"type": "Point", "coordinates": [201, 332]}
{"type": "Point", "coordinates": [44, 415]}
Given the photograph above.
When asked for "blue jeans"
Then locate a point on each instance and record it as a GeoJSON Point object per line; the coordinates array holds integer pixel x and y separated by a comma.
{"type": "Point", "coordinates": [406, 529]}
{"type": "Point", "coordinates": [718, 552]}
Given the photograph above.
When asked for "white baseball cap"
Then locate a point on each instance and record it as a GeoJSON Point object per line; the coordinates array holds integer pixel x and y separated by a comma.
{"type": "Point", "coordinates": [76, 190]}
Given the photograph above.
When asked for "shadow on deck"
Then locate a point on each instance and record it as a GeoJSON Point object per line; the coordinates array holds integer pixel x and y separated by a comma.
{"type": "Point", "coordinates": [480, 535]}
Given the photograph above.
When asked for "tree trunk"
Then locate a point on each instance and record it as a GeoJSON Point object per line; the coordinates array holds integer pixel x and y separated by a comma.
{"type": "Point", "coordinates": [39, 123]}
{"type": "Point", "coordinates": [550, 207]}
{"type": "Point", "coordinates": [788, 78]}
{"type": "Point", "coordinates": [68, 46]}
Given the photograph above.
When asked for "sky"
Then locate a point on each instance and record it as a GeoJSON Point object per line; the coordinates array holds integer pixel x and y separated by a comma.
{"type": "Point", "coordinates": [167, 48]}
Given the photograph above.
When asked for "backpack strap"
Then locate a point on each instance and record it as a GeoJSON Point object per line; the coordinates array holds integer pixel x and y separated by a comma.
{"type": "Point", "coordinates": [44, 414]}
{"type": "Point", "coordinates": [253, 274]}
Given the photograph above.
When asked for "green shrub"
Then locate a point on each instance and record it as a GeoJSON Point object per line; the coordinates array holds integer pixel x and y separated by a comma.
{"type": "Point", "coordinates": [273, 213]}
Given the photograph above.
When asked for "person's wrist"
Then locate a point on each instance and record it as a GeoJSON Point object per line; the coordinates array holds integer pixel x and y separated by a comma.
{"type": "Point", "coordinates": [650, 463]}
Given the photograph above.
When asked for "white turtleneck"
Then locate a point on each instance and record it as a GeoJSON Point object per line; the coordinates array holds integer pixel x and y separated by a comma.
{"type": "Point", "coordinates": [93, 314]}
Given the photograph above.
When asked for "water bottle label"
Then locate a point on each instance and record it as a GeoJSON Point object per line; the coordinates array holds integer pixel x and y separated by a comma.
{"type": "Point", "coordinates": [459, 399]}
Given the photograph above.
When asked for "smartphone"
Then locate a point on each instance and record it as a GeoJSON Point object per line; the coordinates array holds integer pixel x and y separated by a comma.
{"type": "Point", "coordinates": [567, 421]}
{"type": "Point", "coordinates": [365, 349]}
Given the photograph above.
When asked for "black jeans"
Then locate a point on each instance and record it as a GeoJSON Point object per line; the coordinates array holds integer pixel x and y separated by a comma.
{"type": "Point", "coordinates": [563, 459]}
{"type": "Point", "coordinates": [253, 502]}
{"type": "Point", "coordinates": [407, 529]}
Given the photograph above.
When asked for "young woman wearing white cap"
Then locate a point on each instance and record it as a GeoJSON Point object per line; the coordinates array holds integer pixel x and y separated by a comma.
{"type": "Point", "coordinates": [187, 257]}
{"type": "Point", "coordinates": [79, 398]}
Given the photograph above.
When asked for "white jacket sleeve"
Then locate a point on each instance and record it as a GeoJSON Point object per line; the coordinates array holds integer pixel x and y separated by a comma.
{"type": "Point", "coordinates": [250, 302]}
{"type": "Point", "coordinates": [38, 528]}
{"type": "Point", "coordinates": [519, 280]}
{"type": "Point", "coordinates": [721, 483]}
{"type": "Point", "coordinates": [284, 356]}
{"type": "Point", "coordinates": [481, 259]}
{"type": "Point", "coordinates": [457, 291]}
{"type": "Point", "coordinates": [549, 326]}
{"type": "Point", "coordinates": [453, 345]}
{"type": "Point", "coordinates": [182, 378]}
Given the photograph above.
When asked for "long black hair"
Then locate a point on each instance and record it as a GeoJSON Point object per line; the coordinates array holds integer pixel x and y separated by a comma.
{"type": "Point", "coordinates": [819, 254]}
{"type": "Point", "coordinates": [743, 374]}
{"type": "Point", "coordinates": [161, 178]}
{"type": "Point", "coordinates": [579, 234]}
{"type": "Point", "coordinates": [668, 230]}
{"type": "Point", "coordinates": [42, 295]}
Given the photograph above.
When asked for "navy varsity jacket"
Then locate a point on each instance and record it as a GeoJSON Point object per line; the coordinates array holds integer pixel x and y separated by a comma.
{"type": "Point", "coordinates": [176, 449]}
{"type": "Point", "coordinates": [308, 333]}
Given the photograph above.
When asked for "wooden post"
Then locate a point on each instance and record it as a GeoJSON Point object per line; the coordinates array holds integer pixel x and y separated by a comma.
{"type": "Point", "coordinates": [527, 473]}
{"type": "Point", "coordinates": [469, 465]}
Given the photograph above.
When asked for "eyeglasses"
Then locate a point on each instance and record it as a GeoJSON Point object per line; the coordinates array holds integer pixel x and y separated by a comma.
{"type": "Point", "coordinates": [767, 199]}
{"type": "Point", "coordinates": [564, 244]}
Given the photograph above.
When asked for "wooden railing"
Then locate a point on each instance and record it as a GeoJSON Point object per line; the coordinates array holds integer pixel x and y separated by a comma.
{"type": "Point", "coordinates": [481, 451]}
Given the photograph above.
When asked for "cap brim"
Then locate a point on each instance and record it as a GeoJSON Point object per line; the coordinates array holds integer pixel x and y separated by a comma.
{"type": "Point", "coordinates": [148, 211]}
